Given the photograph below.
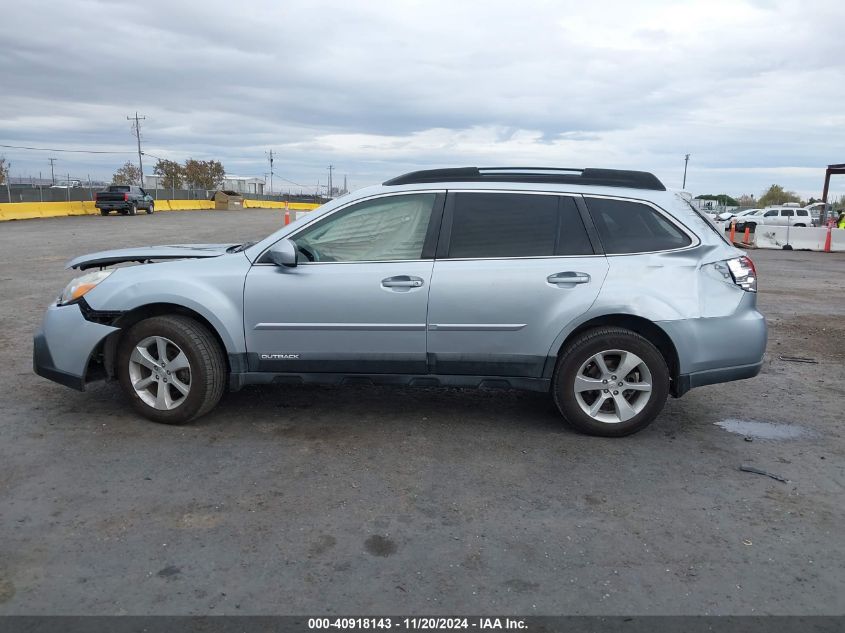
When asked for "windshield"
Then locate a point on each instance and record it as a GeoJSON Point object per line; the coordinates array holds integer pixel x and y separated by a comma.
{"type": "Point", "coordinates": [119, 188]}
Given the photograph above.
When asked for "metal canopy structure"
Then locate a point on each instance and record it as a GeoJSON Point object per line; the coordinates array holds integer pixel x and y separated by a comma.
{"type": "Point", "coordinates": [830, 171]}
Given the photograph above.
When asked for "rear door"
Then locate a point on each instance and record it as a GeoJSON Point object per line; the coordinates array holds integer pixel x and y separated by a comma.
{"type": "Point", "coordinates": [512, 269]}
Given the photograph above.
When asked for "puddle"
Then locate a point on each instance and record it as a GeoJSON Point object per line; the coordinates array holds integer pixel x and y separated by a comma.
{"type": "Point", "coordinates": [765, 430]}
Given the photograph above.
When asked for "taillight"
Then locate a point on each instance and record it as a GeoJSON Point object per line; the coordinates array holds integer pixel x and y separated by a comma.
{"type": "Point", "coordinates": [126, 197]}
{"type": "Point", "coordinates": [743, 272]}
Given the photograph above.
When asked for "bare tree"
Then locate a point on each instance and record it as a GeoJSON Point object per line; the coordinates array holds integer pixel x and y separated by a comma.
{"type": "Point", "coordinates": [129, 174]}
{"type": "Point", "coordinates": [204, 174]}
{"type": "Point", "coordinates": [172, 173]}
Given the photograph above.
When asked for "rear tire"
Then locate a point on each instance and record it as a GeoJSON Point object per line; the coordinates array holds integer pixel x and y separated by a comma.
{"type": "Point", "coordinates": [133, 210]}
{"type": "Point", "coordinates": [104, 212]}
{"type": "Point", "coordinates": [610, 410]}
{"type": "Point", "coordinates": [171, 368]}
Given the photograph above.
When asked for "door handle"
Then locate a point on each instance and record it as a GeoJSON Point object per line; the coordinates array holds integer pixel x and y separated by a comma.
{"type": "Point", "coordinates": [568, 277]}
{"type": "Point", "coordinates": [402, 281]}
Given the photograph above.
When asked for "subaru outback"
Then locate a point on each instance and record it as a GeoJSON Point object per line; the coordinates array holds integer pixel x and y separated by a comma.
{"type": "Point", "coordinates": [597, 286]}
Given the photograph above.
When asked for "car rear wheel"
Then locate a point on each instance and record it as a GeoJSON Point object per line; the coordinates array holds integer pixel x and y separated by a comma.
{"type": "Point", "coordinates": [610, 382]}
{"type": "Point", "coordinates": [171, 368]}
{"type": "Point", "coordinates": [104, 211]}
{"type": "Point", "coordinates": [133, 210]}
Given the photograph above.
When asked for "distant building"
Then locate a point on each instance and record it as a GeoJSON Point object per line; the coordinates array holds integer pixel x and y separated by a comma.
{"type": "Point", "coordinates": [241, 184]}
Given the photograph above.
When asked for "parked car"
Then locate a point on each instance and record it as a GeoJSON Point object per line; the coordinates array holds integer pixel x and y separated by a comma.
{"type": "Point", "coordinates": [777, 216]}
{"type": "Point", "coordinates": [727, 216]}
{"type": "Point", "coordinates": [597, 286]}
{"type": "Point", "coordinates": [125, 199]}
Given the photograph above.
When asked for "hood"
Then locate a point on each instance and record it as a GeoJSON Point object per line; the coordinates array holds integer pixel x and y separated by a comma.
{"type": "Point", "coordinates": [148, 253]}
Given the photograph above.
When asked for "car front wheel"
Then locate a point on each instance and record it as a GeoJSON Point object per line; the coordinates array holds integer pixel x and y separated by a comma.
{"type": "Point", "coordinates": [151, 209]}
{"type": "Point", "coordinates": [610, 382]}
{"type": "Point", "coordinates": [171, 368]}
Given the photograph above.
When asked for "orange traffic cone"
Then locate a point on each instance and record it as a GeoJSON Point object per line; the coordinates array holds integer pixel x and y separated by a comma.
{"type": "Point", "coordinates": [827, 239]}
{"type": "Point", "coordinates": [733, 230]}
{"type": "Point", "coordinates": [746, 238]}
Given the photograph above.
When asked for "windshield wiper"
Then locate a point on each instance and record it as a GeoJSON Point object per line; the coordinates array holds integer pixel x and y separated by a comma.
{"type": "Point", "coordinates": [239, 247]}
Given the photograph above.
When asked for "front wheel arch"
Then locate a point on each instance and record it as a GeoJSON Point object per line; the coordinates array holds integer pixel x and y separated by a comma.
{"type": "Point", "coordinates": [128, 319]}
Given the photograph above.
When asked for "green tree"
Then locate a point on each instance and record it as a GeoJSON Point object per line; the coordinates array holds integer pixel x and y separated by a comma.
{"type": "Point", "coordinates": [777, 195]}
{"type": "Point", "coordinates": [723, 199]}
{"type": "Point", "coordinates": [172, 173]}
{"type": "Point", "coordinates": [129, 174]}
{"type": "Point", "coordinates": [204, 174]}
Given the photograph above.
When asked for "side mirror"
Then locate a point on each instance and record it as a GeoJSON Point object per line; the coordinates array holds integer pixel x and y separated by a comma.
{"type": "Point", "coordinates": [283, 253]}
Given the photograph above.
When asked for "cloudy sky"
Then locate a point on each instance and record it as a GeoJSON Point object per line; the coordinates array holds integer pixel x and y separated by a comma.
{"type": "Point", "coordinates": [754, 90]}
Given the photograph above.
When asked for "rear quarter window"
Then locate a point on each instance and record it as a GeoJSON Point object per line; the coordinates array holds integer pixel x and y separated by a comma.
{"type": "Point", "coordinates": [626, 226]}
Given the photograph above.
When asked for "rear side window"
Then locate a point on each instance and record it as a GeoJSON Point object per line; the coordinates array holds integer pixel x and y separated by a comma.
{"type": "Point", "coordinates": [787, 213]}
{"type": "Point", "coordinates": [515, 225]}
{"type": "Point", "coordinates": [625, 226]}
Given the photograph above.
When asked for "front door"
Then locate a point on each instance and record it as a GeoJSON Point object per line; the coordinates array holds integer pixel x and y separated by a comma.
{"type": "Point", "coordinates": [512, 270]}
{"type": "Point", "coordinates": [357, 300]}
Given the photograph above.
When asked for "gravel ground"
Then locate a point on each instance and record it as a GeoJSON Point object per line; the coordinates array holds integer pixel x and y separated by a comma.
{"type": "Point", "coordinates": [392, 500]}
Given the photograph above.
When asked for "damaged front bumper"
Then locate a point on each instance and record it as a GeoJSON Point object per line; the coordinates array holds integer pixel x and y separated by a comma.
{"type": "Point", "coordinates": [63, 347]}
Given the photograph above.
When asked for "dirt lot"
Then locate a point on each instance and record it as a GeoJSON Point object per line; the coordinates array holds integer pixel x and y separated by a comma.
{"type": "Point", "coordinates": [363, 500]}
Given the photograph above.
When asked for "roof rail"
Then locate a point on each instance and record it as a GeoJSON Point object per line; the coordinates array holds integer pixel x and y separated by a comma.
{"type": "Point", "coordinates": [557, 175]}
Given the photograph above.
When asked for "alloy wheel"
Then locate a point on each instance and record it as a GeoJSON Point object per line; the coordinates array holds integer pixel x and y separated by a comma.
{"type": "Point", "coordinates": [160, 373]}
{"type": "Point", "coordinates": [613, 386]}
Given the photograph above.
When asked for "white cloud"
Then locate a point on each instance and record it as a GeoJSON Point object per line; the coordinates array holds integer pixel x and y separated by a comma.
{"type": "Point", "coordinates": [753, 90]}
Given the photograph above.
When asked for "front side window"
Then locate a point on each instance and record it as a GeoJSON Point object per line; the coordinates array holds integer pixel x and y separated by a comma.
{"type": "Point", "coordinates": [802, 213]}
{"type": "Point", "coordinates": [390, 228]}
{"type": "Point", "coordinates": [486, 225]}
{"type": "Point", "coordinates": [625, 226]}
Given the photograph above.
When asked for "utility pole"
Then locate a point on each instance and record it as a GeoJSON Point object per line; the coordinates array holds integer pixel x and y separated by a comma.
{"type": "Point", "coordinates": [686, 160]}
{"type": "Point", "coordinates": [136, 128]}
{"type": "Point", "coordinates": [270, 156]}
{"type": "Point", "coordinates": [329, 186]}
{"type": "Point", "coordinates": [52, 171]}
{"type": "Point", "coordinates": [8, 177]}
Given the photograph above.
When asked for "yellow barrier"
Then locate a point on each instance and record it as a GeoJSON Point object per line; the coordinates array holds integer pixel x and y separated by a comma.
{"type": "Point", "coordinates": [273, 204]}
{"type": "Point", "coordinates": [30, 210]}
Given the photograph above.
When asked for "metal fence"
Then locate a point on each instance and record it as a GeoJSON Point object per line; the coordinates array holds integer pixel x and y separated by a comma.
{"type": "Point", "coordinates": [45, 193]}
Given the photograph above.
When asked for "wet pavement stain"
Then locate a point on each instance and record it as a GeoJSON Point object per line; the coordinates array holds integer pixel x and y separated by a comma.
{"type": "Point", "coordinates": [765, 430]}
{"type": "Point", "coordinates": [380, 546]}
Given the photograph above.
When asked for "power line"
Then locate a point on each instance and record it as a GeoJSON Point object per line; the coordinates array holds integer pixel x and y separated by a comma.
{"type": "Point", "coordinates": [54, 149]}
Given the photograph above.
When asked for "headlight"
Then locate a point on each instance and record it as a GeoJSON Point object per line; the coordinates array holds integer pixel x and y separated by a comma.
{"type": "Point", "coordinates": [79, 286]}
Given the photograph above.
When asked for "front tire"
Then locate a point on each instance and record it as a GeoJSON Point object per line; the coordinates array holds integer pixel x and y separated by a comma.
{"type": "Point", "coordinates": [151, 209]}
{"type": "Point", "coordinates": [171, 368]}
{"type": "Point", "coordinates": [610, 382]}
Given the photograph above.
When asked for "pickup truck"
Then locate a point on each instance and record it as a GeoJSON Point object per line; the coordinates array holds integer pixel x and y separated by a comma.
{"type": "Point", "coordinates": [125, 199]}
